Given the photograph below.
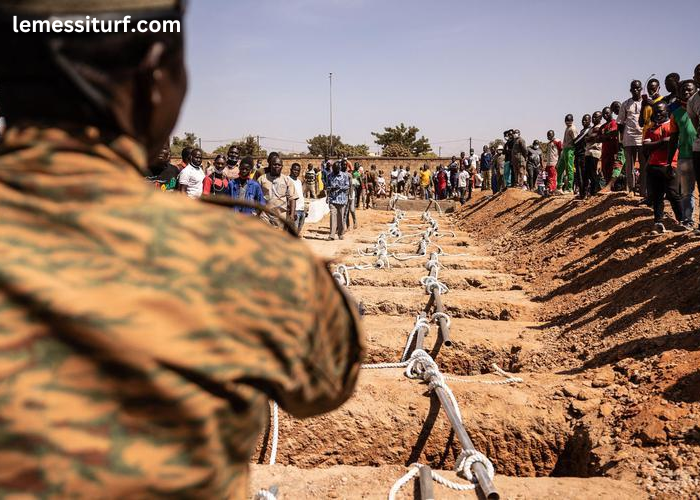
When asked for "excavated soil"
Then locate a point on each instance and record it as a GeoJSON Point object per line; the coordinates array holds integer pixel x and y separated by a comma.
{"type": "Point", "coordinates": [551, 428]}
{"type": "Point", "coordinates": [620, 308]}
{"type": "Point", "coordinates": [373, 483]}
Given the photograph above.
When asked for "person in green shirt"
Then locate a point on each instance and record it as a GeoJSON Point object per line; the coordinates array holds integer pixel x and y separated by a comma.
{"type": "Point", "coordinates": [682, 140]}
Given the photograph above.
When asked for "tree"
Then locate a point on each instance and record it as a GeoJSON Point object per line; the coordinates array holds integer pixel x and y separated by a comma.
{"type": "Point", "coordinates": [396, 150]}
{"type": "Point", "coordinates": [247, 147]}
{"type": "Point", "coordinates": [320, 146]}
{"type": "Point", "coordinates": [403, 136]}
{"type": "Point", "coordinates": [189, 141]}
{"type": "Point", "coordinates": [348, 150]}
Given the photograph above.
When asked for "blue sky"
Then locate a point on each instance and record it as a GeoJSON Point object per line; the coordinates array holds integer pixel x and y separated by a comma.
{"type": "Point", "coordinates": [456, 69]}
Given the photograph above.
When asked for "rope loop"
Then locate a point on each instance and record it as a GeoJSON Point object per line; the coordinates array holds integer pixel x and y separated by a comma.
{"type": "Point", "coordinates": [467, 458]}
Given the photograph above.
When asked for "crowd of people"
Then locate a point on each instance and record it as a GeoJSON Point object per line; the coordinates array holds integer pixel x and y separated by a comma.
{"type": "Point", "coordinates": [645, 145]}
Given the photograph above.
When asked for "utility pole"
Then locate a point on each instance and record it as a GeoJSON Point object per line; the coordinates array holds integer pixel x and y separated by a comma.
{"type": "Point", "coordinates": [440, 151]}
{"type": "Point", "coordinates": [470, 144]}
{"type": "Point", "coordinates": [330, 87]}
{"type": "Point", "coordinates": [257, 142]}
{"type": "Point", "coordinates": [200, 143]}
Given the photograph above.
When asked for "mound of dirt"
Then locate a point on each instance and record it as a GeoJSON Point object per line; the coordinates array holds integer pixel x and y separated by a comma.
{"type": "Point", "coordinates": [619, 307]}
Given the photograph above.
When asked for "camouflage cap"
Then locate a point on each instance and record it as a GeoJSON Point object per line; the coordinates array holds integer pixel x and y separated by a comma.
{"type": "Point", "coordinates": [66, 7]}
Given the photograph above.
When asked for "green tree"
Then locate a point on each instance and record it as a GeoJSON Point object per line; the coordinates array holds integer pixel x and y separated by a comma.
{"type": "Point", "coordinates": [403, 136]}
{"type": "Point", "coordinates": [189, 141]}
{"type": "Point", "coordinates": [247, 147]}
{"type": "Point", "coordinates": [349, 150]}
{"type": "Point", "coordinates": [320, 145]}
{"type": "Point", "coordinates": [396, 150]}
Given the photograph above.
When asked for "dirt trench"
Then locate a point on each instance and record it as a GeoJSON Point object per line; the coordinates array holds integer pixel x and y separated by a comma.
{"type": "Point", "coordinates": [527, 429]}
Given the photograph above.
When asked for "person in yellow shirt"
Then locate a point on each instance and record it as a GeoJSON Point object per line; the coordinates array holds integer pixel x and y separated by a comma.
{"type": "Point", "coordinates": [426, 179]}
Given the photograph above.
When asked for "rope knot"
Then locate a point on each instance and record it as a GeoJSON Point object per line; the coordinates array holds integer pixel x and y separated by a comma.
{"type": "Point", "coordinates": [468, 458]}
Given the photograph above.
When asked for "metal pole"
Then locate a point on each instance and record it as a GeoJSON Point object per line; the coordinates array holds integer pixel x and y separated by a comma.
{"type": "Point", "coordinates": [426, 484]}
{"type": "Point", "coordinates": [478, 468]}
{"type": "Point", "coordinates": [330, 88]}
{"type": "Point", "coordinates": [444, 329]}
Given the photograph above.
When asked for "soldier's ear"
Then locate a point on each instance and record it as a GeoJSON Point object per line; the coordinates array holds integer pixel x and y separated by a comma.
{"type": "Point", "coordinates": [151, 68]}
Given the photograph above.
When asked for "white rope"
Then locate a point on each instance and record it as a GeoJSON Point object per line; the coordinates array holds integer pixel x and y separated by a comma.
{"type": "Point", "coordinates": [382, 366]}
{"type": "Point", "coordinates": [415, 469]}
{"type": "Point", "coordinates": [275, 432]}
{"type": "Point", "coordinates": [264, 495]}
{"type": "Point", "coordinates": [421, 324]}
{"type": "Point", "coordinates": [430, 283]}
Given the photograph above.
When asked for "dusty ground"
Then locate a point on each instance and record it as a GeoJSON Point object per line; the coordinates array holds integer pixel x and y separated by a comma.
{"type": "Point", "coordinates": [617, 301]}
{"type": "Point", "coordinates": [556, 290]}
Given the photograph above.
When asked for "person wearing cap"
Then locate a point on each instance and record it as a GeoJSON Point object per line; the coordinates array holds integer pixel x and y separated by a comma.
{"type": "Point", "coordinates": [485, 164]}
{"type": "Point", "coordinates": [534, 164]}
{"type": "Point", "coordinates": [519, 159]}
{"type": "Point", "coordinates": [499, 167]}
{"type": "Point", "coordinates": [565, 165]}
{"type": "Point", "coordinates": [143, 333]}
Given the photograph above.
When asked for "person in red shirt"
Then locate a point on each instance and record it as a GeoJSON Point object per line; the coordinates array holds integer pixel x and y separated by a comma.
{"type": "Point", "coordinates": [610, 137]}
{"type": "Point", "coordinates": [216, 183]}
{"type": "Point", "coordinates": [662, 178]}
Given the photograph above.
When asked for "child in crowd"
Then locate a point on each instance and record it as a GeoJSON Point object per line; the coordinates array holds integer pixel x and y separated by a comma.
{"type": "Point", "coordinates": [541, 183]}
{"type": "Point", "coordinates": [381, 185]}
{"type": "Point", "coordinates": [662, 177]}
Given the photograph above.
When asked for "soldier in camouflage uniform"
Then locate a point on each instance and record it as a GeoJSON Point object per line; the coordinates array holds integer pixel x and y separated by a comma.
{"type": "Point", "coordinates": [141, 334]}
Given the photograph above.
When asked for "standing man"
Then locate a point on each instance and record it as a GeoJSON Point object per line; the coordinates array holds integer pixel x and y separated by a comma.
{"type": "Point", "coordinates": [337, 188]}
{"type": "Point", "coordinates": [593, 152]}
{"type": "Point", "coordinates": [191, 179]}
{"type": "Point", "coordinates": [551, 160]}
{"type": "Point", "coordinates": [498, 163]}
{"type": "Point", "coordinates": [310, 182]}
{"type": "Point", "coordinates": [519, 159]}
{"type": "Point", "coordinates": [631, 132]}
{"type": "Point", "coordinates": [485, 163]}
{"type": "Point", "coordinates": [400, 181]}
{"type": "Point", "coordinates": [682, 138]}
{"type": "Point", "coordinates": [426, 180]}
{"type": "Point", "coordinates": [453, 177]}
{"type": "Point", "coordinates": [134, 368]}
{"type": "Point", "coordinates": [473, 169]}
{"type": "Point", "coordinates": [671, 83]}
{"type": "Point", "coordinates": [693, 109]}
{"type": "Point", "coordinates": [371, 187]}
{"type": "Point", "coordinates": [610, 138]}
{"type": "Point", "coordinates": [508, 152]}
{"type": "Point", "coordinates": [394, 181]}
{"type": "Point", "coordinates": [580, 152]}
{"type": "Point", "coordinates": [232, 158]}
{"type": "Point", "coordinates": [462, 182]}
{"type": "Point", "coordinates": [534, 163]}
{"type": "Point", "coordinates": [565, 167]}
{"type": "Point", "coordinates": [663, 174]}
{"type": "Point", "coordinates": [300, 213]}
{"type": "Point", "coordinates": [245, 188]}
{"type": "Point", "coordinates": [163, 173]}
{"type": "Point", "coordinates": [280, 193]}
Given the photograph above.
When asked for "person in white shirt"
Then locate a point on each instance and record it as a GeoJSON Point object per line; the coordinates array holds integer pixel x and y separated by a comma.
{"type": "Point", "coordinates": [462, 183]}
{"type": "Point", "coordinates": [394, 181]}
{"type": "Point", "coordinates": [631, 130]}
{"type": "Point", "coordinates": [191, 178]}
{"type": "Point", "coordinates": [401, 180]}
{"type": "Point", "coordinates": [300, 217]}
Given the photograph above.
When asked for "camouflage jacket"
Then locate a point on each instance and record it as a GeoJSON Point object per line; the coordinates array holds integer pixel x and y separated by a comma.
{"type": "Point", "coordinates": [142, 333]}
